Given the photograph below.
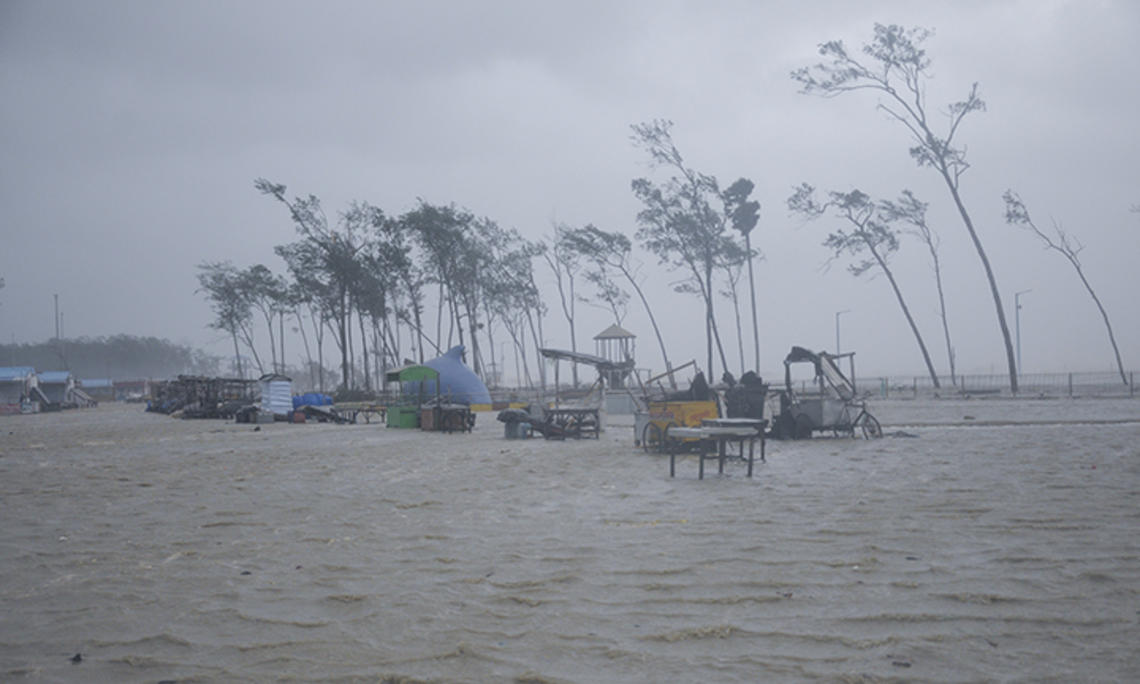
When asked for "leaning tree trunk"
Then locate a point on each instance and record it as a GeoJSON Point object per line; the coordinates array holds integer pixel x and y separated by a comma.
{"type": "Point", "coordinates": [709, 318]}
{"type": "Point", "coordinates": [1104, 314]}
{"type": "Point", "coordinates": [364, 350]}
{"type": "Point", "coordinates": [1010, 359]}
{"type": "Point", "coordinates": [281, 337]}
{"type": "Point", "coordinates": [739, 331]}
{"type": "Point", "coordinates": [305, 340]}
{"type": "Point", "coordinates": [752, 295]}
{"type": "Point", "coordinates": [341, 315]}
{"type": "Point", "coordinates": [656, 329]}
{"type": "Point", "coordinates": [906, 312]}
{"type": "Point", "coordinates": [942, 313]}
{"type": "Point", "coordinates": [237, 353]}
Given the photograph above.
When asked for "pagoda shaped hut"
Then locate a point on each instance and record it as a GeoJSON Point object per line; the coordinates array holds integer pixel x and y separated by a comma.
{"type": "Point", "coordinates": [616, 344]}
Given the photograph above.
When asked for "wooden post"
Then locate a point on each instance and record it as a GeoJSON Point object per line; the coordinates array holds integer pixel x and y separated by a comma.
{"type": "Point", "coordinates": [1070, 385]}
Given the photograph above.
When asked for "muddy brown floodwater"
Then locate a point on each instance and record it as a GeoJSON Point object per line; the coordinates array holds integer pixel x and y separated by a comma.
{"type": "Point", "coordinates": [1000, 542]}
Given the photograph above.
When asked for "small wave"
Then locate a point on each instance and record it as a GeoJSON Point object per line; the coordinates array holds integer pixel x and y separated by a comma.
{"type": "Point", "coordinates": [346, 598]}
{"type": "Point", "coordinates": [295, 645]}
{"type": "Point", "coordinates": [983, 599]}
{"type": "Point", "coordinates": [529, 602]}
{"type": "Point", "coordinates": [536, 583]}
{"type": "Point", "coordinates": [400, 679]}
{"type": "Point", "coordinates": [661, 586]}
{"type": "Point", "coordinates": [420, 504]}
{"type": "Point", "coordinates": [714, 600]}
{"type": "Point", "coordinates": [150, 642]}
{"type": "Point", "coordinates": [645, 523]}
{"type": "Point", "coordinates": [306, 624]}
{"type": "Point", "coordinates": [536, 678]}
{"type": "Point", "coordinates": [1093, 576]}
{"type": "Point", "coordinates": [708, 632]}
{"type": "Point", "coordinates": [662, 572]}
{"type": "Point", "coordinates": [461, 650]}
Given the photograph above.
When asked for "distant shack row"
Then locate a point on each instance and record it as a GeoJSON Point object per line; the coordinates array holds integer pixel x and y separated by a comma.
{"type": "Point", "coordinates": [24, 390]}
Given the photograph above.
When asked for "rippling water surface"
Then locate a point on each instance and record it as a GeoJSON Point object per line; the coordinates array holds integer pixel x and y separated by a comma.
{"type": "Point", "coordinates": [976, 549]}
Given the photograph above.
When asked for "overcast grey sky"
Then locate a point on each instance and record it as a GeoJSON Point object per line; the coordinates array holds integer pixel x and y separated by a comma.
{"type": "Point", "coordinates": [131, 133]}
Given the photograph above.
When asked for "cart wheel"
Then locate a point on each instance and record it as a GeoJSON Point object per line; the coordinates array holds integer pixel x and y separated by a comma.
{"type": "Point", "coordinates": [651, 437]}
{"type": "Point", "coordinates": [871, 427]}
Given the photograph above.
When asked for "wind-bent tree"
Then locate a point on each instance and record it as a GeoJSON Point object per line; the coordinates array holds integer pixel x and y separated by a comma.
{"type": "Point", "coordinates": [441, 232]}
{"type": "Point", "coordinates": [563, 262]}
{"type": "Point", "coordinates": [744, 219]}
{"type": "Point", "coordinates": [224, 287]}
{"type": "Point", "coordinates": [733, 271]}
{"type": "Point", "coordinates": [1067, 246]}
{"type": "Point", "coordinates": [870, 233]}
{"type": "Point", "coordinates": [295, 298]}
{"type": "Point", "coordinates": [331, 253]}
{"type": "Point", "coordinates": [303, 259]}
{"type": "Point", "coordinates": [509, 293]}
{"type": "Point", "coordinates": [607, 291]}
{"type": "Point", "coordinates": [266, 292]}
{"type": "Point", "coordinates": [911, 210]}
{"type": "Point", "coordinates": [684, 222]}
{"type": "Point", "coordinates": [894, 65]}
{"type": "Point", "coordinates": [614, 251]}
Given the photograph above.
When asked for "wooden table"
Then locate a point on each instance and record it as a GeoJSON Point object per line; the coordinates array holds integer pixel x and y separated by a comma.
{"type": "Point", "coordinates": [573, 422]}
{"type": "Point", "coordinates": [354, 412]}
{"type": "Point", "coordinates": [719, 436]}
{"type": "Point", "coordinates": [447, 418]}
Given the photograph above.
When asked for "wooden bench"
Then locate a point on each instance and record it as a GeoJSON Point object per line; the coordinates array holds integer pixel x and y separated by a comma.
{"type": "Point", "coordinates": [350, 412]}
{"type": "Point", "coordinates": [712, 442]}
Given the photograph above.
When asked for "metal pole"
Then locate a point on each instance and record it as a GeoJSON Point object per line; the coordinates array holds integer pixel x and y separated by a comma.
{"type": "Point", "coordinates": [838, 349]}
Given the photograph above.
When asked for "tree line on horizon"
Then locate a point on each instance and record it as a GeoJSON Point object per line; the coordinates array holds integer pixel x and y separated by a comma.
{"type": "Point", "coordinates": [121, 357]}
{"type": "Point", "coordinates": [439, 275]}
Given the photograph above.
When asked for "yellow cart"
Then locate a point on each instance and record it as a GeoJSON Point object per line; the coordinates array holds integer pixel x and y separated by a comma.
{"type": "Point", "coordinates": [649, 427]}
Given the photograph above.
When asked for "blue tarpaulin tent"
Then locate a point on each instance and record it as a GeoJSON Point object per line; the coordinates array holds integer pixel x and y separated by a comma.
{"type": "Point", "coordinates": [457, 381]}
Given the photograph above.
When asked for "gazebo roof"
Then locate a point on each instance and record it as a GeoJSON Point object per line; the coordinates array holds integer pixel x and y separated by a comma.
{"type": "Point", "coordinates": [614, 332]}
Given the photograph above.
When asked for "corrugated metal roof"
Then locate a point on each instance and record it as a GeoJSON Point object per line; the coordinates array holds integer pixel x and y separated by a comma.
{"type": "Point", "coordinates": [9, 373]}
{"type": "Point", "coordinates": [50, 377]}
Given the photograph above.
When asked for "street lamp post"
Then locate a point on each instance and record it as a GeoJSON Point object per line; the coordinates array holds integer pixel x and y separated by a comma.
{"type": "Point", "coordinates": [1017, 324]}
{"type": "Point", "coordinates": [839, 349]}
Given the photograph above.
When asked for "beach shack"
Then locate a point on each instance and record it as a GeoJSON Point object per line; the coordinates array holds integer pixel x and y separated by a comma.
{"type": "Point", "coordinates": [132, 390]}
{"type": "Point", "coordinates": [57, 388]}
{"type": "Point", "coordinates": [276, 394]}
{"type": "Point", "coordinates": [416, 386]}
{"type": "Point", "coordinates": [99, 389]}
{"type": "Point", "coordinates": [18, 390]}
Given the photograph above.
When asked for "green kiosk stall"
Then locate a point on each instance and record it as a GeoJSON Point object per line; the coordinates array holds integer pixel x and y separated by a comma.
{"type": "Point", "coordinates": [417, 384]}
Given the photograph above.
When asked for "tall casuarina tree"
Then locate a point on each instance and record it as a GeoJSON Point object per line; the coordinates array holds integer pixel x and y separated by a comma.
{"type": "Point", "coordinates": [894, 65]}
